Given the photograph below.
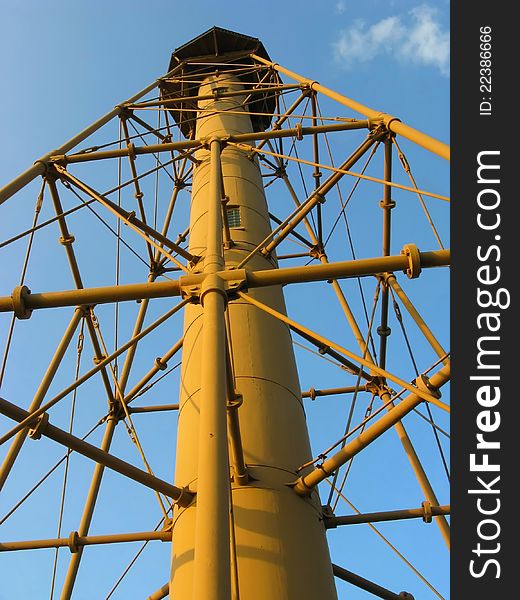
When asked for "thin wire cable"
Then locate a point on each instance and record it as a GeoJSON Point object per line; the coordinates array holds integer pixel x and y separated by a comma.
{"type": "Point", "coordinates": [390, 545]}
{"type": "Point", "coordinates": [86, 203]}
{"type": "Point", "coordinates": [293, 148]}
{"type": "Point", "coordinates": [79, 351]}
{"type": "Point", "coordinates": [135, 557]}
{"type": "Point", "coordinates": [398, 186]}
{"type": "Point", "coordinates": [47, 475]}
{"type": "Point", "coordinates": [347, 227]}
{"type": "Point", "coordinates": [150, 385]}
{"type": "Point", "coordinates": [345, 204]}
{"type": "Point", "coordinates": [399, 318]}
{"type": "Point", "coordinates": [354, 398]}
{"type": "Point", "coordinates": [432, 423]}
{"type": "Point", "coordinates": [337, 364]}
{"type": "Point", "coordinates": [406, 167]}
{"type": "Point", "coordinates": [154, 154]}
{"type": "Point", "coordinates": [361, 425]}
{"type": "Point", "coordinates": [130, 428]}
{"type": "Point", "coordinates": [37, 210]}
{"type": "Point", "coordinates": [351, 461]}
{"type": "Point", "coordinates": [118, 248]}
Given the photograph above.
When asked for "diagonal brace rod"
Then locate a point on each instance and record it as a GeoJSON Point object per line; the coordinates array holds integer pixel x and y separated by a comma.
{"type": "Point", "coordinates": [326, 342]}
{"type": "Point", "coordinates": [180, 495]}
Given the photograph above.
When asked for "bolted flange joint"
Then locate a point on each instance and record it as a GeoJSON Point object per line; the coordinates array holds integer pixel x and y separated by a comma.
{"type": "Point", "coordinates": [208, 140]}
{"type": "Point", "coordinates": [414, 260]}
{"type": "Point", "coordinates": [73, 542]}
{"type": "Point", "coordinates": [213, 283]}
{"type": "Point", "coordinates": [18, 298]}
{"type": "Point", "coordinates": [427, 512]}
{"type": "Point", "coordinates": [160, 364]}
{"type": "Point", "coordinates": [424, 384]}
{"type": "Point", "coordinates": [66, 240]}
{"type": "Point", "coordinates": [387, 204]}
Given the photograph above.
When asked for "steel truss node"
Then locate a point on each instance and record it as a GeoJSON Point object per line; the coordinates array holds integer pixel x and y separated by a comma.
{"type": "Point", "coordinates": [166, 213]}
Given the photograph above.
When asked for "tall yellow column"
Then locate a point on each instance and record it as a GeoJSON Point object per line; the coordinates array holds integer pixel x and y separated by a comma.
{"type": "Point", "coordinates": [281, 550]}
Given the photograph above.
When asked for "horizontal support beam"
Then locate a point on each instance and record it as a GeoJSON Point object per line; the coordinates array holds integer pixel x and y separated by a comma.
{"type": "Point", "coordinates": [182, 496]}
{"type": "Point", "coordinates": [192, 144]}
{"type": "Point", "coordinates": [216, 96]}
{"type": "Point", "coordinates": [156, 408]}
{"type": "Point", "coordinates": [425, 513]}
{"type": "Point", "coordinates": [75, 541]}
{"type": "Point", "coordinates": [252, 279]}
{"type": "Point", "coordinates": [306, 483]}
{"type": "Point", "coordinates": [368, 586]}
{"type": "Point", "coordinates": [313, 393]}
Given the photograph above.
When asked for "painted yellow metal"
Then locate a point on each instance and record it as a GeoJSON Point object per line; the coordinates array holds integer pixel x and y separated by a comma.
{"type": "Point", "coordinates": [43, 388]}
{"type": "Point", "coordinates": [417, 467]}
{"type": "Point", "coordinates": [281, 550]}
{"type": "Point", "coordinates": [441, 353]}
{"type": "Point", "coordinates": [306, 483]}
{"type": "Point", "coordinates": [392, 123]}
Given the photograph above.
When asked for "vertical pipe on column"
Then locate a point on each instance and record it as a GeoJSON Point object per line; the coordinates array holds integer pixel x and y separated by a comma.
{"type": "Point", "coordinates": [212, 566]}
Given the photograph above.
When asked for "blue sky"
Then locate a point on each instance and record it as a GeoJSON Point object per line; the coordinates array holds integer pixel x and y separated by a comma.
{"type": "Point", "coordinates": [64, 64]}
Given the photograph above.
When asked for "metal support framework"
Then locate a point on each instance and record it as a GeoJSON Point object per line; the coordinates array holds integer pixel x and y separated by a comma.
{"type": "Point", "coordinates": [426, 512]}
{"type": "Point", "coordinates": [251, 279]}
{"type": "Point", "coordinates": [247, 519]}
{"type": "Point", "coordinates": [392, 123]}
{"type": "Point", "coordinates": [305, 484]}
{"type": "Point", "coordinates": [75, 541]}
{"type": "Point", "coordinates": [369, 586]}
{"type": "Point", "coordinates": [33, 416]}
{"type": "Point", "coordinates": [421, 393]}
{"type": "Point", "coordinates": [46, 381]}
{"type": "Point", "coordinates": [417, 467]}
{"type": "Point", "coordinates": [112, 462]}
{"type": "Point", "coordinates": [40, 165]}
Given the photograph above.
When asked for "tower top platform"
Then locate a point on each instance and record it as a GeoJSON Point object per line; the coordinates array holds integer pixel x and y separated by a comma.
{"type": "Point", "coordinates": [222, 50]}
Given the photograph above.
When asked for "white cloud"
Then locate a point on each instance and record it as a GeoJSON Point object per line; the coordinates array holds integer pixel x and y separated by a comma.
{"type": "Point", "coordinates": [341, 7]}
{"type": "Point", "coordinates": [417, 37]}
